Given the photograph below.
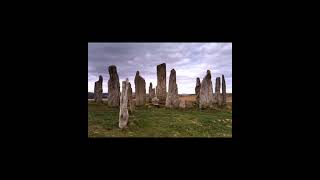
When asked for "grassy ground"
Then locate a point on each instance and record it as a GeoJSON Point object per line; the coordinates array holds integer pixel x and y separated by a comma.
{"type": "Point", "coordinates": [159, 122]}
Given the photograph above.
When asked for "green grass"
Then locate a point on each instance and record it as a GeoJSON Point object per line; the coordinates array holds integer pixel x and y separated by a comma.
{"type": "Point", "coordinates": [159, 122]}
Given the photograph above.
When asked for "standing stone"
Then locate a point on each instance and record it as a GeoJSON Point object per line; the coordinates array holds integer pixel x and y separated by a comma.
{"type": "Point", "coordinates": [113, 87]}
{"type": "Point", "coordinates": [140, 87]}
{"type": "Point", "coordinates": [206, 92]}
{"type": "Point", "coordinates": [155, 101]}
{"type": "Point", "coordinates": [172, 100]}
{"type": "Point", "coordinates": [161, 88]}
{"type": "Point", "coordinates": [197, 90]}
{"type": "Point", "coordinates": [98, 90]}
{"type": "Point", "coordinates": [224, 91]}
{"type": "Point", "coordinates": [217, 92]}
{"type": "Point", "coordinates": [130, 99]}
{"type": "Point", "coordinates": [124, 114]}
{"type": "Point", "coordinates": [150, 89]}
{"type": "Point", "coordinates": [152, 93]}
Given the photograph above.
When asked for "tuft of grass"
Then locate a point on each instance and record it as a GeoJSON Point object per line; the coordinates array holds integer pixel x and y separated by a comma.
{"type": "Point", "coordinates": [159, 122]}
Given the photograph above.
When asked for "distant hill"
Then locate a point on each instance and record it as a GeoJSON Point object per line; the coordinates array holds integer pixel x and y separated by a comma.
{"type": "Point", "coordinates": [91, 95]}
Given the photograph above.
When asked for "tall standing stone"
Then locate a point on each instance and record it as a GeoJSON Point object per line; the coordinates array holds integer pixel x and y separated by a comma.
{"type": "Point", "coordinates": [150, 89]}
{"type": "Point", "coordinates": [140, 87]}
{"type": "Point", "coordinates": [161, 88]}
{"type": "Point", "coordinates": [217, 92]}
{"type": "Point", "coordinates": [152, 93]}
{"type": "Point", "coordinates": [130, 99]}
{"type": "Point", "coordinates": [206, 92]}
{"type": "Point", "coordinates": [224, 91]}
{"type": "Point", "coordinates": [124, 114]}
{"type": "Point", "coordinates": [197, 90]}
{"type": "Point", "coordinates": [172, 100]}
{"type": "Point", "coordinates": [113, 87]}
{"type": "Point", "coordinates": [98, 90]}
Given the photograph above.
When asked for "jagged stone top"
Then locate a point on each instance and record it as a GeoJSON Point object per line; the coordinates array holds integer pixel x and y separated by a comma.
{"type": "Point", "coordinates": [163, 64]}
{"type": "Point", "coordinates": [198, 81]}
{"type": "Point", "coordinates": [100, 78]}
{"type": "Point", "coordinates": [112, 69]}
{"type": "Point", "coordinates": [208, 74]}
{"type": "Point", "coordinates": [160, 66]}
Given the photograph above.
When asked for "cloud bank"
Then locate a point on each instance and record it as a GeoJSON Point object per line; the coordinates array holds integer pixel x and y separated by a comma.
{"type": "Point", "coordinates": [190, 60]}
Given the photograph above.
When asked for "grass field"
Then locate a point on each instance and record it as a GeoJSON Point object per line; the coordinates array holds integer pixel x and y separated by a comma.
{"type": "Point", "coordinates": [150, 121]}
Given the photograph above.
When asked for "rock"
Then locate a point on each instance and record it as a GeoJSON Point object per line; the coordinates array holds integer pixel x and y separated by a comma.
{"type": "Point", "coordinates": [98, 90]}
{"type": "Point", "coordinates": [206, 93]}
{"type": "Point", "coordinates": [140, 87]}
{"type": "Point", "coordinates": [224, 91]}
{"type": "Point", "coordinates": [152, 93]}
{"type": "Point", "coordinates": [113, 87]}
{"type": "Point", "coordinates": [124, 114]}
{"type": "Point", "coordinates": [217, 94]}
{"type": "Point", "coordinates": [161, 89]}
{"type": "Point", "coordinates": [155, 101]}
{"type": "Point", "coordinates": [172, 100]}
{"type": "Point", "coordinates": [182, 104]}
{"type": "Point", "coordinates": [197, 90]}
{"type": "Point", "coordinates": [130, 99]}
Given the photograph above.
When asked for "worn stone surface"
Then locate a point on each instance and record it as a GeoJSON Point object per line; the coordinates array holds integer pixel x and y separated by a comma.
{"type": "Point", "coordinates": [124, 114]}
{"type": "Point", "coordinates": [152, 93]}
{"type": "Point", "coordinates": [113, 87]}
{"type": "Point", "coordinates": [98, 90]}
{"type": "Point", "coordinates": [130, 99]}
{"type": "Point", "coordinates": [161, 89]}
{"type": "Point", "coordinates": [217, 94]}
{"type": "Point", "coordinates": [155, 101]}
{"type": "Point", "coordinates": [140, 87]}
{"type": "Point", "coordinates": [172, 100]}
{"type": "Point", "coordinates": [224, 91]}
{"type": "Point", "coordinates": [206, 92]}
{"type": "Point", "coordinates": [197, 90]}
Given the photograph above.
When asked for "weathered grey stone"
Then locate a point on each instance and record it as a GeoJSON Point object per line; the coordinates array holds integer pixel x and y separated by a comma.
{"type": "Point", "coordinates": [161, 89]}
{"type": "Point", "coordinates": [224, 91]}
{"type": "Point", "coordinates": [140, 87]}
{"type": "Point", "coordinates": [217, 94]}
{"type": "Point", "coordinates": [172, 100]}
{"type": "Point", "coordinates": [152, 93]}
{"type": "Point", "coordinates": [98, 90]}
{"type": "Point", "coordinates": [113, 87]}
{"type": "Point", "coordinates": [130, 99]}
{"type": "Point", "coordinates": [124, 114]}
{"type": "Point", "coordinates": [206, 92]}
{"type": "Point", "coordinates": [197, 90]}
{"type": "Point", "coordinates": [155, 101]}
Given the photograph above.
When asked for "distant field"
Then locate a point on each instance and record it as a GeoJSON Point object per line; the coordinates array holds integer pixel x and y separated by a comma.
{"type": "Point", "coordinates": [187, 98]}
{"type": "Point", "coordinates": [193, 97]}
{"type": "Point", "coordinates": [150, 121]}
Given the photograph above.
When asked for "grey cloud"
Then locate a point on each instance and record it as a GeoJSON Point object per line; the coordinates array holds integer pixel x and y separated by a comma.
{"type": "Point", "coordinates": [190, 60]}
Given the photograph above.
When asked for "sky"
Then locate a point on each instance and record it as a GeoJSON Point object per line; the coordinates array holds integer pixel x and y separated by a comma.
{"type": "Point", "coordinates": [190, 60]}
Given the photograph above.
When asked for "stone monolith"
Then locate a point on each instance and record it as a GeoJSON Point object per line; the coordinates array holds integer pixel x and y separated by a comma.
{"type": "Point", "coordinates": [113, 87]}
{"type": "Point", "coordinates": [161, 88]}
{"type": "Point", "coordinates": [140, 87]}
{"type": "Point", "coordinates": [172, 100]}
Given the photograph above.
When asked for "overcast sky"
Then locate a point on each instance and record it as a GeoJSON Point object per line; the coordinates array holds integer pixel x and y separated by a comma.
{"type": "Point", "coordinates": [190, 60]}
